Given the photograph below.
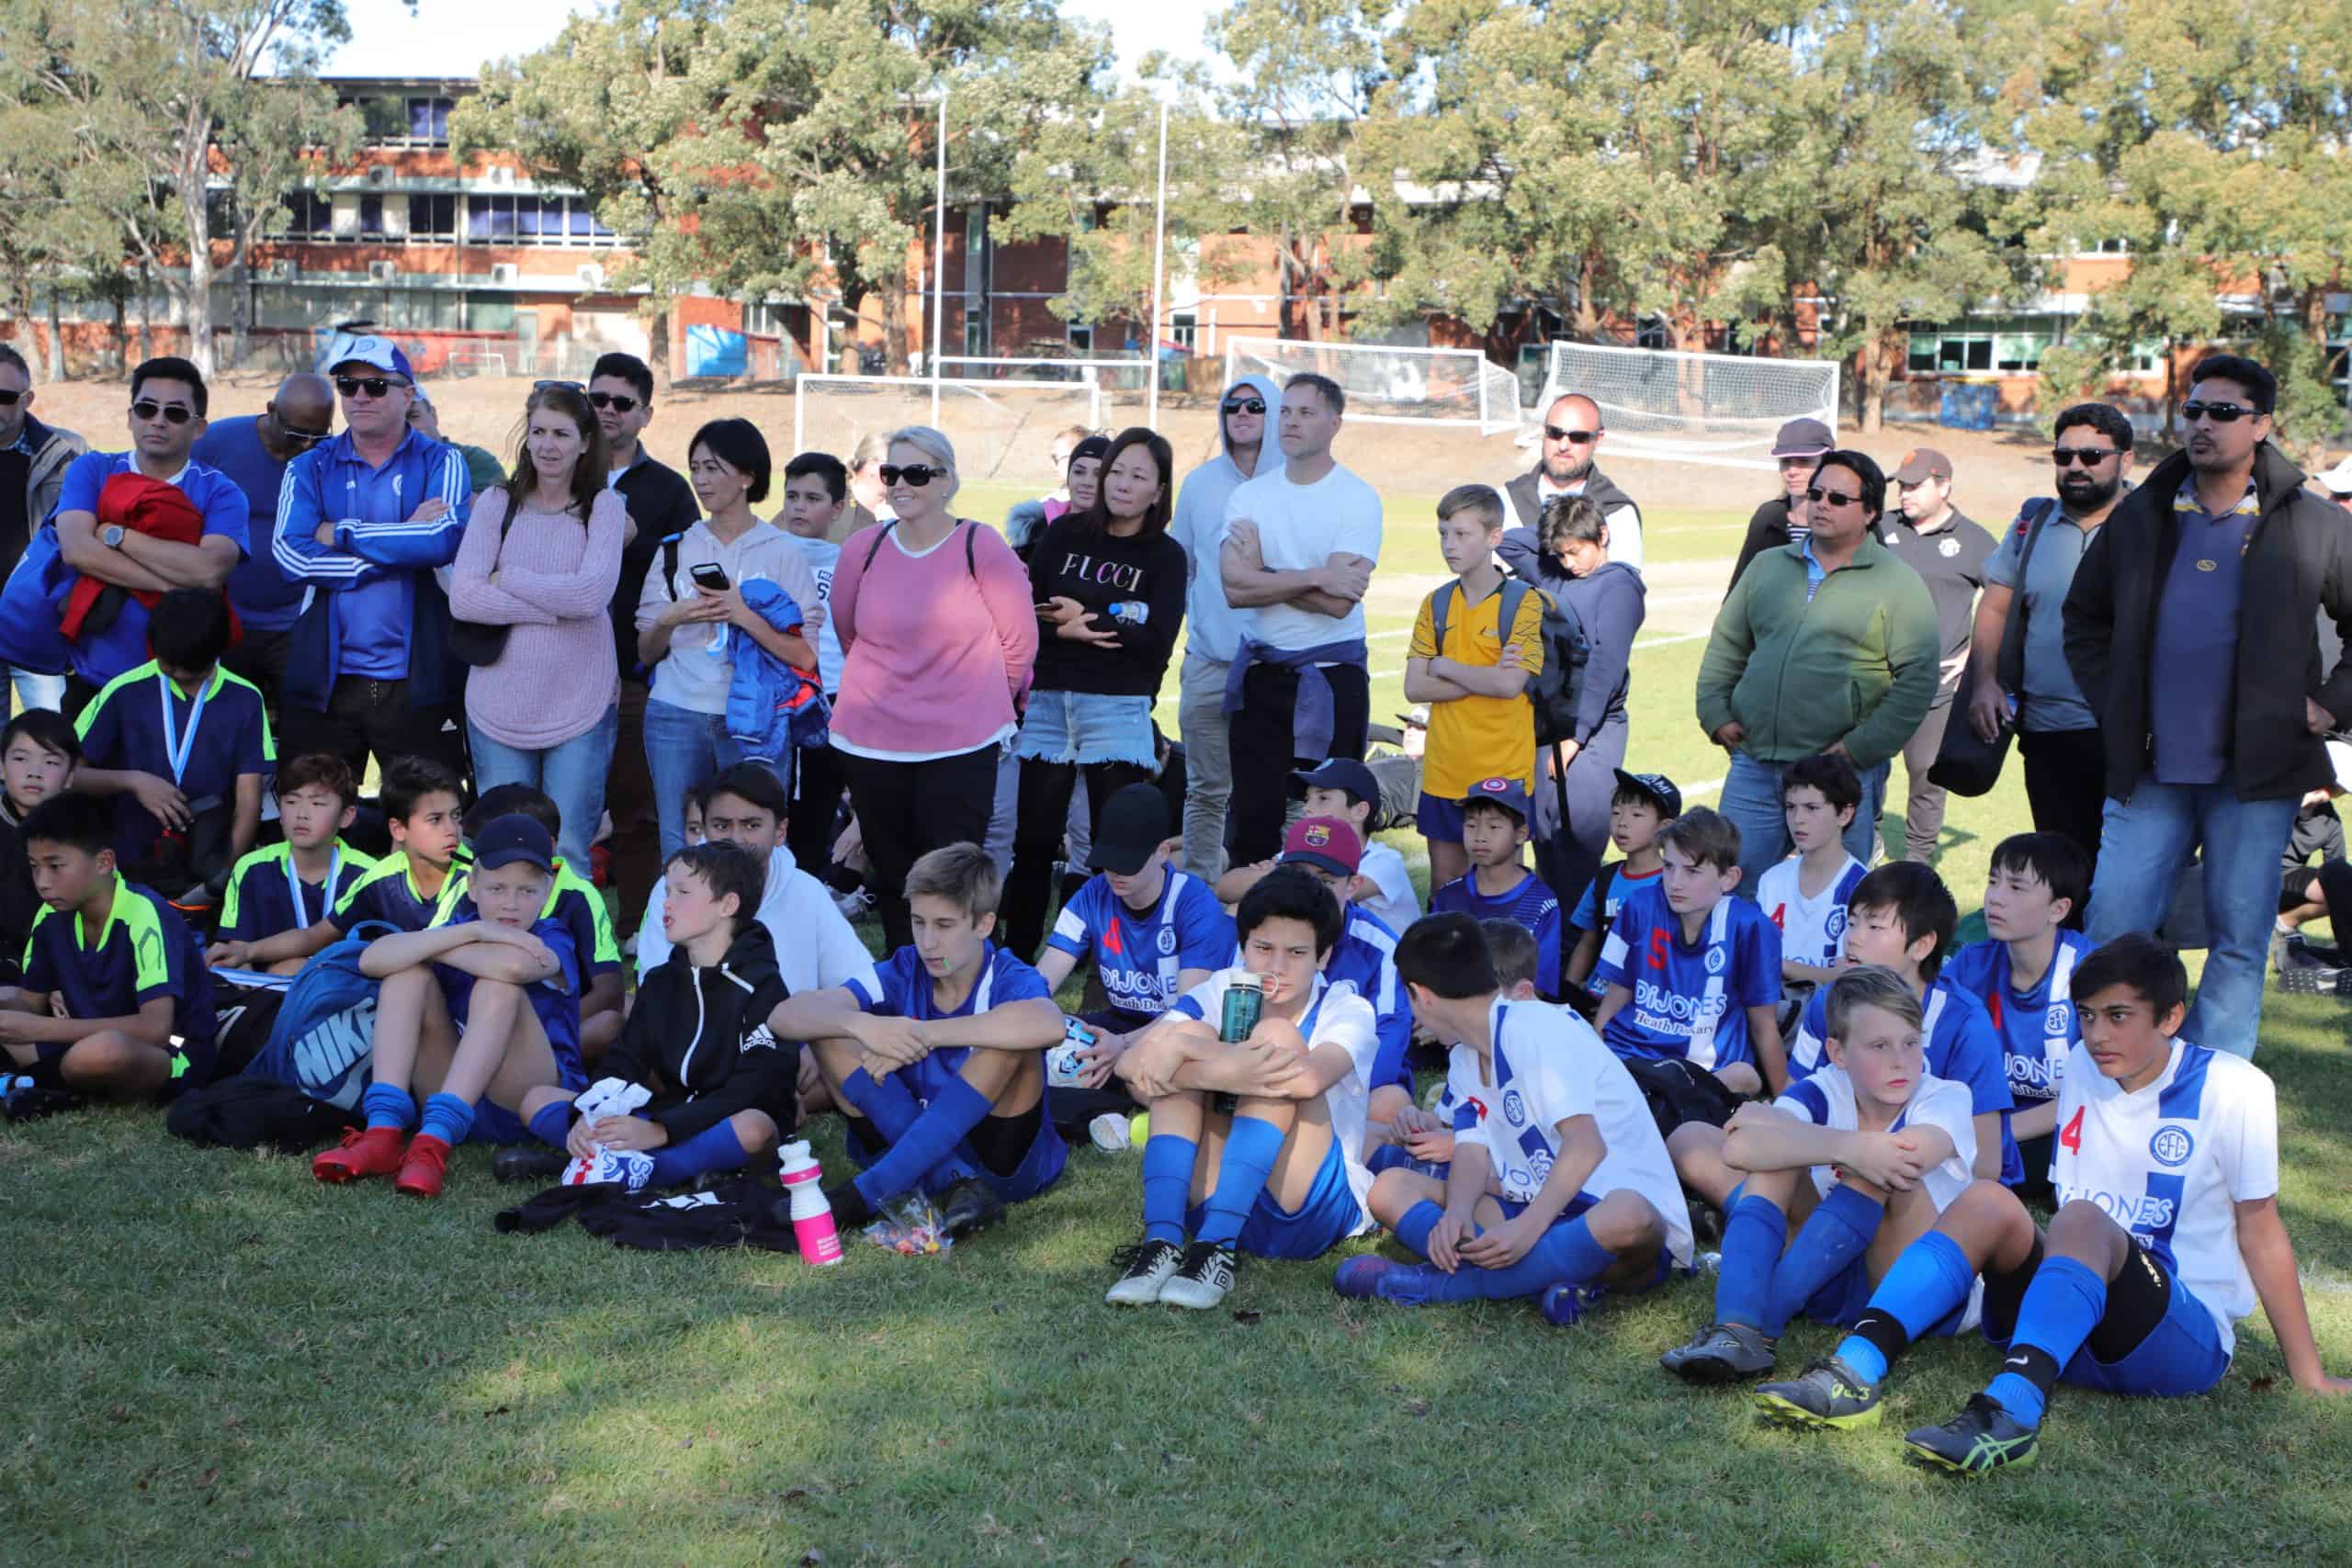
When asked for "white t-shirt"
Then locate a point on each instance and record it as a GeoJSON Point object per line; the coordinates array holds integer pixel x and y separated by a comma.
{"type": "Point", "coordinates": [1826, 1099]}
{"type": "Point", "coordinates": [1813, 931]}
{"type": "Point", "coordinates": [822, 554]}
{"type": "Point", "coordinates": [2170, 1162]}
{"type": "Point", "coordinates": [1550, 1066]}
{"type": "Point", "coordinates": [1301, 526]}
{"type": "Point", "coordinates": [1335, 1015]}
{"type": "Point", "coordinates": [1396, 904]}
{"type": "Point", "coordinates": [697, 672]}
{"type": "Point", "coordinates": [815, 947]}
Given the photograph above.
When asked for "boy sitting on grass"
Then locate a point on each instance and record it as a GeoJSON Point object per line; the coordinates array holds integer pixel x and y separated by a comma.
{"type": "Point", "coordinates": [940, 1073]}
{"type": "Point", "coordinates": [116, 1000]}
{"type": "Point", "coordinates": [477, 1013]}
{"type": "Point", "coordinates": [1345, 788]}
{"type": "Point", "coordinates": [1423, 1139]}
{"type": "Point", "coordinates": [1499, 885]}
{"type": "Point", "coordinates": [573, 900]}
{"type": "Point", "coordinates": [409, 888]}
{"type": "Point", "coordinates": [1364, 955]}
{"type": "Point", "coordinates": [37, 751]}
{"type": "Point", "coordinates": [1694, 974]}
{"type": "Point", "coordinates": [177, 738]}
{"type": "Point", "coordinates": [1638, 812]}
{"type": "Point", "coordinates": [697, 1039]}
{"type": "Point", "coordinates": [1256, 1145]}
{"type": "Point", "coordinates": [2023, 972]}
{"type": "Point", "coordinates": [1805, 895]}
{"type": "Point", "coordinates": [2167, 1232]}
{"type": "Point", "coordinates": [1586, 1197]}
{"type": "Point", "coordinates": [1861, 1156]}
{"type": "Point", "coordinates": [274, 916]}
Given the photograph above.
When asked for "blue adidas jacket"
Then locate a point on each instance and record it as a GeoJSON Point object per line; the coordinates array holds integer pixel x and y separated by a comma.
{"type": "Point", "coordinates": [771, 707]}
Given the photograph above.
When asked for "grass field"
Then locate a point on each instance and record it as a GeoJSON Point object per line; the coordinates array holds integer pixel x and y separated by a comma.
{"type": "Point", "coordinates": [209, 1358]}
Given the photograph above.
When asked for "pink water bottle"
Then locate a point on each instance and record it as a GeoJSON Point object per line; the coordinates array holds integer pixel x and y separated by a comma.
{"type": "Point", "coordinates": [812, 1217]}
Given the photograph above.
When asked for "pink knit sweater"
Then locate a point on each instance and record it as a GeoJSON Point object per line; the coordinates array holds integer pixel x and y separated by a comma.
{"type": "Point", "coordinates": [558, 672]}
{"type": "Point", "coordinates": [934, 651]}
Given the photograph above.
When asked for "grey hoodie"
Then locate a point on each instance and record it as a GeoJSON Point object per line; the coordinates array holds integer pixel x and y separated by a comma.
{"type": "Point", "coordinates": [1213, 626]}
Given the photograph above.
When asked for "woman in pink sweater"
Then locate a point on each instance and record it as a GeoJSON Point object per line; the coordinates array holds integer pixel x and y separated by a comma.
{"type": "Point", "coordinates": [937, 637]}
{"type": "Point", "coordinates": [541, 556]}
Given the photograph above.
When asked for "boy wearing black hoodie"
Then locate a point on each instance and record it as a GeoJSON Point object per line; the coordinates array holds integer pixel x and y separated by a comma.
{"type": "Point", "coordinates": [696, 1040]}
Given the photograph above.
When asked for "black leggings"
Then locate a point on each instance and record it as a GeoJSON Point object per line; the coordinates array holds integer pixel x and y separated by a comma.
{"type": "Point", "coordinates": [905, 810]}
{"type": "Point", "coordinates": [816, 809]}
{"type": "Point", "coordinates": [1045, 789]}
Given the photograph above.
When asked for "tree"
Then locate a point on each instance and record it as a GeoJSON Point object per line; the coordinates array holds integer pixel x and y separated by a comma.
{"type": "Point", "coordinates": [272, 135]}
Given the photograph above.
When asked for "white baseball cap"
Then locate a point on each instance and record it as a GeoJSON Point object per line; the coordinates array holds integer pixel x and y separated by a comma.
{"type": "Point", "coordinates": [2337, 481]}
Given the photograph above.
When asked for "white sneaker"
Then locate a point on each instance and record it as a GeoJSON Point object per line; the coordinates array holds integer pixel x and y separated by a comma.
{"type": "Point", "coordinates": [1112, 1132]}
{"type": "Point", "coordinates": [1204, 1279]}
{"type": "Point", "coordinates": [1150, 1265]}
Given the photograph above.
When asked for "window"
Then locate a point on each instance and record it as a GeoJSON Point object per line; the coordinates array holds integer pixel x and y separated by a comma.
{"type": "Point", "coordinates": [424, 309]}
{"type": "Point", "coordinates": [488, 312]}
{"type": "Point", "coordinates": [310, 216]}
{"type": "Point", "coordinates": [428, 120]}
{"type": "Point", "coordinates": [1981, 345]}
{"type": "Point", "coordinates": [1183, 328]}
{"type": "Point", "coordinates": [432, 217]}
{"type": "Point", "coordinates": [534, 220]}
{"type": "Point", "coordinates": [371, 217]}
{"type": "Point", "coordinates": [1081, 339]}
{"type": "Point", "coordinates": [384, 121]}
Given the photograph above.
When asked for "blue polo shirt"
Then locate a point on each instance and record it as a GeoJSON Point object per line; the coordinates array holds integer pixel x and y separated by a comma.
{"type": "Point", "coordinates": [372, 565]}
{"type": "Point", "coordinates": [1529, 903]}
{"type": "Point", "coordinates": [144, 950]}
{"type": "Point", "coordinates": [555, 1000]}
{"type": "Point", "coordinates": [388, 893]}
{"type": "Point", "coordinates": [258, 591]}
{"type": "Point", "coordinates": [100, 656]}
{"type": "Point", "coordinates": [137, 719]}
{"type": "Point", "coordinates": [262, 900]}
{"type": "Point", "coordinates": [574, 904]}
{"type": "Point", "coordinates": [2193, 661]}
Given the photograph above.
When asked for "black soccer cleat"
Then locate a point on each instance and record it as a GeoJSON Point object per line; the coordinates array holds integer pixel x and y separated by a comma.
{"type": "Point", "coordinates": [1979, 1440]}
{"type": "Point", "coordinates": [528, 1162]}
{"type": "Point", "coordinates": [969, 1208]}
{"type": "Point", "coordinates": [1721, 1352]}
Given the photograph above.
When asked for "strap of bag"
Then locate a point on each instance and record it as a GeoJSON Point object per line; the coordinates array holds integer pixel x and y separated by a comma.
{"type": "Point", "coordinates": [2009, 665]}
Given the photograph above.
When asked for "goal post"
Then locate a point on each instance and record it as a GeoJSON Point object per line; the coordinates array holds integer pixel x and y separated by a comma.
{"type": "Point", "coordinates": [1389, 383]}
{"type": "Point", "coordinates": [1002, 429]}
{"type": "Point", "coordinates": [1722, 409]}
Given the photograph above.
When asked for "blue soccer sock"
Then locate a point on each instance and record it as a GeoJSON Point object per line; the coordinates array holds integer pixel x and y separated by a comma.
{"type": "Point", "coordinates": [1929, 1279]}
{"type": "Point", "coordinates": [884, 1102]}
{"type": "Point", "coordinates": [388, 1107]}
{"type": "Point", "coordinates": [1753, 1233]}
{"type": "Point", "coordinates": [1168, 1162]}
{"type": "Point", "coordinates": [715, 1147]}
{"type": "Point", "coordinates": [447, 1118]}
{"type": "Point", "coordinates": [1251, 1146]}
{"type": "Point", "coordinates": [1414, 1226]}
{"type": "Point", "coordinates": [946, 1123]}
{"type": "Point", "coordinates": [553, 1123]}
{"type": "Point", "coordinates": [1839, 1231]}
{"type": "Point", "coordinates": [2062, 1306]}
{"type": "Point", "coordinates": [1565, 1255]}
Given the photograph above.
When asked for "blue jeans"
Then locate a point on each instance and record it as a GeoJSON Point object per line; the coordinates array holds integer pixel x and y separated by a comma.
{"type": "Point", "coordinates": [571, 774]}
{"type": "Point", "coordinates": [684, 749]}
{"type": "Point", "coordinates": [1751, 799]}
{"type": "Point", "coordinates": [2144, 850]}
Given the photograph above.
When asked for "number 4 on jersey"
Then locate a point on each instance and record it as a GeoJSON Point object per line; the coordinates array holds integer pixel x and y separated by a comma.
{"type": "Point", "coordinates": [2071, 1140]}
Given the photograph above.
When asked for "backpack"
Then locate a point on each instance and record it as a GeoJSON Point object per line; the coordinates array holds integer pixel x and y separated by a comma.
{"type": "Point", "coordinates": [1554, 689]}
{"type": "Point", "coordinates": [324, 1039]}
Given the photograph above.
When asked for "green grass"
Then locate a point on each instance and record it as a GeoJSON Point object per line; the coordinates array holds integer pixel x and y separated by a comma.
{"type": "Point", "coordinates": [209, 1358]}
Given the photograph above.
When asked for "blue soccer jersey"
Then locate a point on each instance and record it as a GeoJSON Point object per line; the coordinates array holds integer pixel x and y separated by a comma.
{"type": "Point", "coordinates": [1623, 885]}
{"type": "Point", "coordinates": [143, 952]}
{"type": "Point", "coordinates": [1530, 905]}
{"type": "Point", "coordinates": [2037, 1027]}
{"type": "Point", "coordinates": [1961, 1047]}
{"type": "Point", "coordinates": [1139, 952]}
{"type": "Point", "coordinates": [555, 1000]}
{"type": "Point", "coordinates": [907, 992]}
{"type": "Point", "coordinates": [203, 742]}
{"type": "Point", "coordinates": [1689, 999]}
{"type": "Point", "coordinates": [388, 893]}
{"type": "Point", "coordinates": [268, 896]}
{"type": "Point", "coordinates": [101, 655]}
{"type": "Point", "coordinates": [571, 900]}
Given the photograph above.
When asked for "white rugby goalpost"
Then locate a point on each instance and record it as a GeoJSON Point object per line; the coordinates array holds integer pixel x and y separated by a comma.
{"type": "Point", "coordinates": [1003, 429]}
{"type": "Point", "coordinates": [1391, 384]}
{"type": "Point", "coordinates": [1673, 406]}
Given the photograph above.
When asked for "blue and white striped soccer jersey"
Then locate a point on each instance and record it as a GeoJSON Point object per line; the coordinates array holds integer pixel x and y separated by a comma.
{"type": "Point", "coordinates": [1689, 1000]}
{"type": "Point", "coordinates": [2038, 1028]}
{"type": "Point", "coordinates": [1826, 1099]}
{"type": "Point", "coordinates": [1961, 1047]}
{"type": "Point", "coordinates": [1365, 957]}
{"type": "Point", "coordinates": [1138, 954]}
{"type": "Point", "coordinates": [1813, 931]}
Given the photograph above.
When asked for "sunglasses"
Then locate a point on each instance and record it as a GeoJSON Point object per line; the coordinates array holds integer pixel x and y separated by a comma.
{"type": "Point", "coordinates": [2219, 413]}
{"type": "Point", "coordinates": [1246, 405]}
{"type": "Point", "coordinates": [614, 400]}
{"type": "Point", "coordinates": [1831, 497]}
{"type": "Point", "coordinates": [148, 408]}
{"type": "Point", "coordinates": [8, 399]}
{"type": "Point", "coordinates": [915, 474]}
{"type": "Point", "coordinates": [373, 386]}
{"type": "Point", "coordinates": [2089, 457]}
{"type": "Point", "coordinates": [1573, 437]}
{"type": "Point", "coordinates": [307, 437]}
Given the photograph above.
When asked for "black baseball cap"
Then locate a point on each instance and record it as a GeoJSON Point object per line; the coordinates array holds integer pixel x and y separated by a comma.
{"type": "Point", "coordinates": [511, 839]}
{"type": "Point", "coordinates": [1344, 773]}
{"type": "Point", "coordinates": [1133, 826]}
{"type": "Point", "coordinates": [1657, 786]}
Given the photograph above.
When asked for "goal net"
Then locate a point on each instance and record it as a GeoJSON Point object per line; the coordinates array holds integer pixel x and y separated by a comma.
{"type": "Point", "coordinates": [1692, 408]}
{"type": "Point", "coordinates": [1391, 385]}
{"type": "Point", "coordinates": [1003, 429]}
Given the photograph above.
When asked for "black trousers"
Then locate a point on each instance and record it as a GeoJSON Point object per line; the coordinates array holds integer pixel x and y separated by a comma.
{"type": "Point", "coordinates": [1045, 789]}
{"type": "Point", "coordinates": [2065, 783]}
{"type": "Point", "coordinates": [366, 717]}
{"type": "Point", "coordinates": [1264, 754]}
{"type": "Point", "coordinates": [817, 808]}
{"type": "Point", "coordinates": [905, 810]}
{"type": "Point", "coordinates": [261, 657]}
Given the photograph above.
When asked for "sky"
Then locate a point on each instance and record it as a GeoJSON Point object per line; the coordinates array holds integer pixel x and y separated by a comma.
{"type": "Point", "coordinates": [454, 38]}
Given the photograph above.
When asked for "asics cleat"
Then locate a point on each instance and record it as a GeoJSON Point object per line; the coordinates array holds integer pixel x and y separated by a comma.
{"type": "Point", "coordinates": [1721, 1352]}
{"type": "Point", "coordinates": [1826, 1397]}
{"type": "Point", "coordinates": [1979, 1440]}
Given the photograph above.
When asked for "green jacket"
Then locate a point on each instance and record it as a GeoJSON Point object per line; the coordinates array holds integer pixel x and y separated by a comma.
{"type": "Point", "coordinates": [1857, 664]}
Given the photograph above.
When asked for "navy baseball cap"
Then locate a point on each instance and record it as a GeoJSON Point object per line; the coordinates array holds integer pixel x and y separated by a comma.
{"type": "Point", "coordinates": [1657, 786]}
{"type": "Point", "coordinates": [1507, 793]}
{"type": "Point", "coordinates": [1343, 773]}
{"type": "Point", "coordinates": [1133, 826]}
{"type": "Point", "coordinates": [511, 839]}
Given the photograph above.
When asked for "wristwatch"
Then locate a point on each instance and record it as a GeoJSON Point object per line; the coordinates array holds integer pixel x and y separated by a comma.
{"type": "Point", "coordinates": [111, 535]}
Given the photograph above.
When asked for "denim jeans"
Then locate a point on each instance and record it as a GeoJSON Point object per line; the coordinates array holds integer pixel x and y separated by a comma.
{"type": "Point", "coordinates": [1751, 799]}
{"type": "Point", "coordinates": [2144, 851]}
{"type": "Point", "coordinates": [571, 774]}
{"type": "Point", "coordinates": [683, 749]}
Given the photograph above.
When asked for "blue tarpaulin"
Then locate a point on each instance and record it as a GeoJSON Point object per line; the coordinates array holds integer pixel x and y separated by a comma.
{"type": "Point", "coordinates": [714, 351]}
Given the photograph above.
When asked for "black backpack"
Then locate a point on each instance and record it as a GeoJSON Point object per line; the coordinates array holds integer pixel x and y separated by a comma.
{"type": "Point", "coordinates": [1554, 689]}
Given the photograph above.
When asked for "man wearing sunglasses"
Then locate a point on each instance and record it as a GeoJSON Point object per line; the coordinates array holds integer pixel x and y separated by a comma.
{"type": "Point", "coordinates": [33, 461]}
{"type": "Point", "coordinates": [2193, 629]}
{"type": "Point", "coordinates": [1212, 627]}
{"type": "Point", "coordinates": [1569, 442]}
{"type": "Point", "coordinates": [167, 403]}
{"type": "Point", "coordinates": [363, 521]}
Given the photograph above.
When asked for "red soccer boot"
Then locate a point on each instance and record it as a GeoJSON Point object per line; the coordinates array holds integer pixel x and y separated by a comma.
{"type": "Point", "coordinates": [375, 1152]}
{"type": "Point", "coordinates": [421, 1172]}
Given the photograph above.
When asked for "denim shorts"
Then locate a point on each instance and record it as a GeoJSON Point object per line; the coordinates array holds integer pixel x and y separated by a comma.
{"type": "Point", "coordinates": [1086, 726]}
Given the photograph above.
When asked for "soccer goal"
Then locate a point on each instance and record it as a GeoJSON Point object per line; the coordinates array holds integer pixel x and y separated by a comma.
{"type": "Point", "coordinates": [1721, 408]}
{"type": "Point", "coordinates": [1387, 384]}
{"type": "Point", "coordinates": [1003, 429]}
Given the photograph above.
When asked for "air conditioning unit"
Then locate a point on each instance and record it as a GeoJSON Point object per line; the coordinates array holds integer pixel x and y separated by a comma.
{"type": "Point", "coordinates": [278, 271]}
{"type": "Point", "coordinates": [590, 275]}
{"type": "Point", "coordinates": [380, 174]}
{"type": "Point", "coordinates": [383, 272]}
{"type": "Point", "coordinates": [505, 272]}
{"type": "Point", "coordinates": [503, 177]}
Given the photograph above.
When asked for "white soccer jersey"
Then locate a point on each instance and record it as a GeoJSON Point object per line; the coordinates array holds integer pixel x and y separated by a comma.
{"type": "Point", "coordinates": [1813, 931]}
{"type": "Point", "coordinates": [2170, 1162]}
{"type": "Point", "coordinates": [1826, 1099]}
{"type": "Point", "coordinates": [1335, 1015]}
{"type": "Point", "coordinates": [1550, 1066]}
